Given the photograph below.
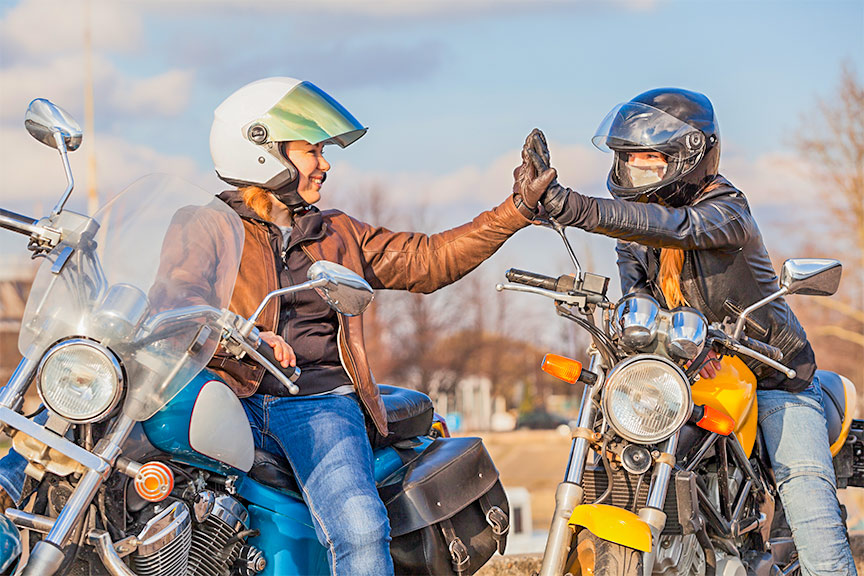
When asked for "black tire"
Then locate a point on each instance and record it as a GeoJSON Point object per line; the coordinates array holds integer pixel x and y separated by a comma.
{"type": "Point", "coordinates": [593, 556]}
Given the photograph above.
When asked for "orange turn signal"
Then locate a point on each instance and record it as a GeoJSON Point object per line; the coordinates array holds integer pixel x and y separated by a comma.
{"type": "Point", "coordinates": [716, 421]}
{"type": "Point", "coordinates": [562, 368]}
{"type": "Point", "coordinates": [154, 481]}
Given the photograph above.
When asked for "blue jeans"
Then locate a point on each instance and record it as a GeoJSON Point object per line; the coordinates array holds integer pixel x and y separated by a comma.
{"type": "Point", "coordinates": [324, 439]}
{"type": "Point", "coordinates": [796, 436]}
{"type": "Point", "coordinates": [12, 467]}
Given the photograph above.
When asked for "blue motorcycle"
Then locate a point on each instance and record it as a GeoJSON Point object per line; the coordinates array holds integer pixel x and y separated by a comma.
{"type": "Point", "coordinates": [140, 460]}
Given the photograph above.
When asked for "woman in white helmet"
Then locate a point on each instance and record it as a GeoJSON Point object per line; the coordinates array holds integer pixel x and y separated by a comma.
{"type": "Point", "coordinates": [268, 140]}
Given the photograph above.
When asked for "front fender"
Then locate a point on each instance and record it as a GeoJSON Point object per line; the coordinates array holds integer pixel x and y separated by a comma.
{"type": "Point", "coordinates": [10, 543]}
{"type": "Point", "coordinates": [613, 524]}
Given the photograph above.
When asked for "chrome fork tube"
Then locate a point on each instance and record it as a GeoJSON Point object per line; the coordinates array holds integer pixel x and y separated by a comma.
{"type": "Point", "coordinates": [12, 393]}
{"type": "Point", "coordinates": [569, 493]}
{"type": "Point", "coordinates": [652, 513]}
{"type": "Point", "coordinates": [45, 559]}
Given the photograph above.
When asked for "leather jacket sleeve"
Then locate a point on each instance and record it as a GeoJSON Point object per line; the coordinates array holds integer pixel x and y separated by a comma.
{"type": "Point", "coordinates": [423, 263]}
{"type": "Point", "coordinates": [716, 222]}
{"type": "Point", "coordinates": [633, 273]}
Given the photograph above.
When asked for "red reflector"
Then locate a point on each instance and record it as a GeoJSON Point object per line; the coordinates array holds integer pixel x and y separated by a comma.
{"type": "Point", "coordinates": [562, 368]}
{"type": "Point", "coordinates": [154, 481]}
{"type": "Point", "coordinates": [715, 421]}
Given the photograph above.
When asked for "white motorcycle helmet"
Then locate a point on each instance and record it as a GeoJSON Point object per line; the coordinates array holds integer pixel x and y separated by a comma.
{"type": "Point", "coordinates": [249, 126]}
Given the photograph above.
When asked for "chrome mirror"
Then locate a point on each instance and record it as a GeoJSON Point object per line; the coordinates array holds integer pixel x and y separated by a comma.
{"type": "Point", "coordinates": [46, 121]}
{"type": "Point", "coordinates": [811, 276]}
{"type": "Point", "coordinates": [344, 290]}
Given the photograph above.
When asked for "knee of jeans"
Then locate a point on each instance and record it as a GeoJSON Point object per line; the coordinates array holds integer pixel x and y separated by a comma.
{"type": "Point", "coordinates": [362, 524]}
{"type": "Point", "coordinates": [804, 473]}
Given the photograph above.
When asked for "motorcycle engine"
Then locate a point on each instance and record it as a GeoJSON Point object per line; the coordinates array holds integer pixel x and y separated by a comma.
{"type": "Point", "coordinates": [206, 541]}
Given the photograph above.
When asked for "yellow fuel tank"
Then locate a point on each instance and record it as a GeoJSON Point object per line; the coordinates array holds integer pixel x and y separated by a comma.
{"type": "Point", "coordinates": [733, 392]}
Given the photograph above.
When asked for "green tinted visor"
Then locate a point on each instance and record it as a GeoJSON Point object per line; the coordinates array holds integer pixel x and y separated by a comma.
{"type": "Point", "coordinates": [308, 113]}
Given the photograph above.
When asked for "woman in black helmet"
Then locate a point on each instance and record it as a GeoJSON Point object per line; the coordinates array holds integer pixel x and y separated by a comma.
{"type": "Point", "coordinates": [686, 236]}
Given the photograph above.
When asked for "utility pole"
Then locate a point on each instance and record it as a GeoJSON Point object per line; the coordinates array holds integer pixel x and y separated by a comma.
{"type": "Point", "coordinates": [92, 193]}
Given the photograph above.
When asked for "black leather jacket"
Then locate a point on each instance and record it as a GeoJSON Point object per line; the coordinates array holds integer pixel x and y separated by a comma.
{"type": "Point", "coordinates": [726, 266]}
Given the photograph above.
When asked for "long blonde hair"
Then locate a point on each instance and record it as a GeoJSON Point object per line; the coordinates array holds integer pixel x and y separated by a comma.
{"type": "Point", "coordinates": [669, 278]}
{"type": "Point", "coordinates": [258, 200]}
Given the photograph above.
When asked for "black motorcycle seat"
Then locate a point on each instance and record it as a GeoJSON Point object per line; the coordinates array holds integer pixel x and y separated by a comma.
{"type": "Point", "coordinates": [833, 401]}
{"type": "Point", "coordinates": [409, 414]}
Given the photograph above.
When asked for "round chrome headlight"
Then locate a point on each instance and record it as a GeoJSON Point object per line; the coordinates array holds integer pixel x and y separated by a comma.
{"type": "Point", "coordinates": [687, 332]}
{"type": "Point", "coordinates": [80, 380]}
{"type": "Point", "coordinates": [636, 319]}
{"type": "Point", "coordinates": [646, 399]}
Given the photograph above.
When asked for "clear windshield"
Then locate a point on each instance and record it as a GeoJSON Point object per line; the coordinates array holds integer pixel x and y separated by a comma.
{"type": "Point", "coordinates": [161, 246]}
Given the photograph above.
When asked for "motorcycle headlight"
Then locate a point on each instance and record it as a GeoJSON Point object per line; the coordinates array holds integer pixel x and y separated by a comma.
{"type": "Point", "coordinates": [636, 319]}
{"type": "Point", "coordinates": [80, 380]}
{"type": "Point", "coordinates": [687, 332]}
{"type": "Point", "coordinates": [646, 399]}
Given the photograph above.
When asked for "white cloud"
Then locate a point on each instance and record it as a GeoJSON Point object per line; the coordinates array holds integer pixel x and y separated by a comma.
{"type": "Point", "coordinates": [165, 94]}
{"type": "Point", "coordinates": [49, 27]}
{"type": "Point", "coordinates": [34, 178]}
{"type": "Point", "coordinates": [774, 178]}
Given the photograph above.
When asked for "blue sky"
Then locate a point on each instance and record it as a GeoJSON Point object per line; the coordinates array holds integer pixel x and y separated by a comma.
{"type": "Point", "coordinates": [449, 90]}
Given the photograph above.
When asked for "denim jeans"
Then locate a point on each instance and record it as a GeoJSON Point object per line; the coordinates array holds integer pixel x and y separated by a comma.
{"type": "Point", "coordinates": [324, 439]}
{"type": "Point", "coordinates": [796, 436]}
{"type": "Point", "coordinates": [12, 467]}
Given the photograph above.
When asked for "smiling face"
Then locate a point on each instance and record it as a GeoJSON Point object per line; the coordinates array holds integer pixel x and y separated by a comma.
{"type": "Point", "coordinates": [311, 167]}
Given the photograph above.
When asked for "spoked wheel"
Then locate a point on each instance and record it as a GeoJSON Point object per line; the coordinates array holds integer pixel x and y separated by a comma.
{"type": "Point", "coordinates": [594, 556]}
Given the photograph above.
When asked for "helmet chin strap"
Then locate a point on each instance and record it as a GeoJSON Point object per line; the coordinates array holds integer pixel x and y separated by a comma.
{"type": "Point", "coordinates": [289, 196]}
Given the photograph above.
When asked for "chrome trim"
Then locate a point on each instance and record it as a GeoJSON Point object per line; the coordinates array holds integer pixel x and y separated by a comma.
{"type": "Point", "coordinates": [662, 475]}
{"type": "Point", "coordinates": [579, 450]}
{"type": "Point", "coordinates": [231, 512]}
{"type": "Point", "coordinates": [28, 521]}
{"type": "Point", "coordinates": [118, 373]}
{"type": "Point", "coordinates": [164, 528]}
{"type": "Point", "coordinates": [52, 440]}
{"type": "Point", "coordinates": [105, 549]}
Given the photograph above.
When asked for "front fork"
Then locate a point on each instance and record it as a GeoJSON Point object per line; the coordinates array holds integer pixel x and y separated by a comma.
{"type": "Point", "coordinates": [47, 556]}
{"type": "Point", "coordinates": [570, 493]}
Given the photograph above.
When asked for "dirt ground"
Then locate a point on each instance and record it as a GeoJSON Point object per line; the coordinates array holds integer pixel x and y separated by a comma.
{"type": "Point", "coordinates": [533, 459]}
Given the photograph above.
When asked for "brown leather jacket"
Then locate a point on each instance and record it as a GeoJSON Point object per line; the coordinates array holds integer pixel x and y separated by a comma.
{"type": "Point", "coordinates": [395, 260]}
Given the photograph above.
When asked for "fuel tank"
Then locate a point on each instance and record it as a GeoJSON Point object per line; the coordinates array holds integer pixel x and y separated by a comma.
{"type": "Point", "coordinates": [733, 392]}
{"type": "Point", "coordinates": [204, 425]}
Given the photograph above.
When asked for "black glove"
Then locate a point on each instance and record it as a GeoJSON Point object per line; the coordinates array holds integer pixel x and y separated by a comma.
{"type": "Point", "coordinates": [530, 183]}
{"type": "Point", "coordinates": [567, 206]}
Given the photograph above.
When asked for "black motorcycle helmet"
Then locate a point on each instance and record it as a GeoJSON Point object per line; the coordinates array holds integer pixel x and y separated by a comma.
{"type": "Point", "coordinates": [678, 123]}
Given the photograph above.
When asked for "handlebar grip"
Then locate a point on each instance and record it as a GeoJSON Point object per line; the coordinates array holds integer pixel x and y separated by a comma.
{"type": "Point", "coordinates": [293, 374]}
{"type": "Point", "coordinates": [771, 352]}
{"type": "Point", "coordinates": [532, 279]}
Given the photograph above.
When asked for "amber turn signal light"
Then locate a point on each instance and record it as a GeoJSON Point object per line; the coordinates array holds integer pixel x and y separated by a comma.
{"type": "Point", "coordinates": [562, 368]}
{"type": "Point", "coordinates": [154, 481]}
{"type": "Point", "coordinates": [716, 421]}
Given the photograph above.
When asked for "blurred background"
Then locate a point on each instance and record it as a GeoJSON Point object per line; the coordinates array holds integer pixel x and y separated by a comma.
{"type": "Point", "coordinates": [450, 90]}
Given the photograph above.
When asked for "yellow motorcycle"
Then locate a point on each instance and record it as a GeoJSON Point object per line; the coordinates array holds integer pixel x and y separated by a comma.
{"type": "Point", "coordinates": [667, 472]}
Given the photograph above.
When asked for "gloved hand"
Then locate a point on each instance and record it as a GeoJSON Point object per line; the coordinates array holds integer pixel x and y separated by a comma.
{"type": "Point", "coordinates": [557, 200]}
{"type": "Point", "coordinates": [530, 183]}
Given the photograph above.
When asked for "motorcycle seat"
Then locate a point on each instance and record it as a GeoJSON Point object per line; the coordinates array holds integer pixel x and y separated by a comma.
{"type": "Point", "coordinates": [833, 402]}
{"type": "Point", "coordinates": [409, 414]}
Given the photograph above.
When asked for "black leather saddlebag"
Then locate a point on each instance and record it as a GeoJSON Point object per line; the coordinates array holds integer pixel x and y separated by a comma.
{"type": "Point", "coordinates": [448, 512]}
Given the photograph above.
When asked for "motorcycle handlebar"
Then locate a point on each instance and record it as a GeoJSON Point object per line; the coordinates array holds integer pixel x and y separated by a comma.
{"type": "Point", "coordinates": [771, 352]}
{"type": "Point", "coordinates": [18, 223]}
{"type": "Point", "coordinates": [560, 284]}
{"type": "Point", "coordinates": [288, 375]}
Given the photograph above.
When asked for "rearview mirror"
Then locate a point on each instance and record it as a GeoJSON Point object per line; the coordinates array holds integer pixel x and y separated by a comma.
{"type": "Point", "coordinates": [345, 291]}
{"type": "Point", "coordinates": [44, 119]}
{"type": "Point", "coordinates": [811, 276]}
